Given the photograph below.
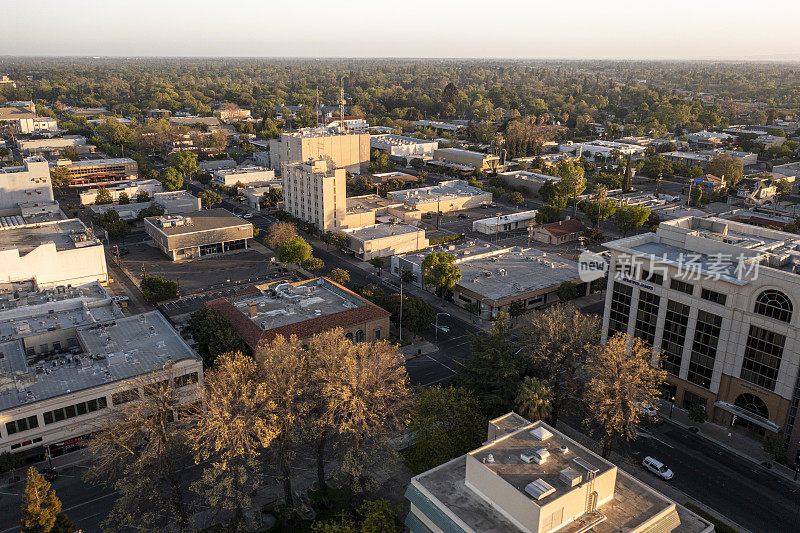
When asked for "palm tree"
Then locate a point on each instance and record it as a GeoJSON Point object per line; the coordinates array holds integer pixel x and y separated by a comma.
{"type": "Point", "coordinates": [534, 399]}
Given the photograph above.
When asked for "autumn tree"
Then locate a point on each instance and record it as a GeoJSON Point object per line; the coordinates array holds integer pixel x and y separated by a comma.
{"type": "Point", "coordinates": [534, 400]}
{"type": "Point", "coordinates": [210, 199]}
{"type": "Point", "coordinates": [621, 378]}
{"type": "Point", "coordinates": [40, 505]}
{"type": "Point", "coordinates": [558, 343]}
{"type": "Point", "coordinates": [295, 250]}
{"type": "Point", "coordinates": [339, 275]}
{"type": "Point", "coordinates": [279, 233]}
{"type": "Point", "coordinates": [142, 446]}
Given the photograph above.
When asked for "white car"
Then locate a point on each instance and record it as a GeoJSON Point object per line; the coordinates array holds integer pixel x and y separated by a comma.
{"type": "Point", "coordinates": [647, 409]}
{"type": "Point", "coordinates": [658, 468]}
{"type": "Point", "coordinates": [247, 215]}
{"type": "Point", "coordinates": [120, 298]}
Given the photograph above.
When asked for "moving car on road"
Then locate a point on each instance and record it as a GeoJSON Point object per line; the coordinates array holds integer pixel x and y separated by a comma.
{"type": "Point", "coordinates": [658, 468]}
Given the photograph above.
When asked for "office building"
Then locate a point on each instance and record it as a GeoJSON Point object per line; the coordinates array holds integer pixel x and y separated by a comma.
{"type": "Point", "coordinates": [500, 223]}
{"type": "Point", "coordinates": [252, 175]}
{"type": "Point", "coordinates": [29, 182]}
{"type": "Point", "coordinates": [530, 181]}
{"type": "Point", "coordinates": [447, 196]}
{"type": "Point", "coordinates": [36, 125]}
{"type": "Point", "coordinates": [54, 146]}
{"type": "Point", "coordinates": [53, 253]}
{"type": "Point", "coordinates": [130, 188]}
{"type": "Point", "coordinates": [69, 357]}
{"type": "Point", "coordinates": [529, 477]}
{"type": "Point", "coordinates": [600, 149]}
{"type": "Point", "coordinates": [399, 146]}
{"type": "Point", "coordinates": [347, 150]}
{"type": "Point", "coordinates": [315, 193]}
{"type": "Point", "coordinates": [464, 251]}
{"type": "Point", "coordinates": [477, 161]}
{"type": "Point", "coordinates": [100, 171]}
{"type": "Point", "coordinates": [560, 232]}
{"type": "Point", "coordinates": [262, 312]}
{"type": "Point", "coordinates": [385, 240]}
{"type": "Point", "coordinates": [716, 299]}
{"type": "Point", "coordinates": [172, 202]}
{"type": "Point", "coordinates": [193, 235]}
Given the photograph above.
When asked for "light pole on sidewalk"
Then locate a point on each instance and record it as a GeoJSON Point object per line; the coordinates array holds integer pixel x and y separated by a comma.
{"type": "Point", "coordinates": [671, 406]}
{"type": "Point", "coordinates": [436, 341]}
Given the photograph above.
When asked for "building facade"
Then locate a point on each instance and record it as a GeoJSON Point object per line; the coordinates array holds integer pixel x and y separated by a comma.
{"type": "Point", "coordinates": [29, 182]}
{"type": "Point", "coordinates": [476, 160]}
{"type": "Point", "coordinates": [348, 150]}
{"type": "Point", "coordinates": [100, 171]}
{"type": "Point", "coordinates": [718, 301]}
{"type": "Point", "coordinates": [130, 188]}
{"type": "Point", "coordinates": [399, 146]}
{"type": "Point", "coordinates": [253, 175]}
{"type": "Point", "coordinates": [55, 146]}
{"type": "Point", "coordinates": [315, 193]}
{"type": "Point", "coordinates": [385, 240]}
{"type": "Point", "coordinates": [198, 234]}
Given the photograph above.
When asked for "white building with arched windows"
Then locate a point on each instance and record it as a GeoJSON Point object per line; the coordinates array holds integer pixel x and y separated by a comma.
{"type": "Point", "coordinates": [719, 301]}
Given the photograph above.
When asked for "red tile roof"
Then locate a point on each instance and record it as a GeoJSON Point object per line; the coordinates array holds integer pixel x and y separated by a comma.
{"type": "Point", "coordinates": [564, 227]}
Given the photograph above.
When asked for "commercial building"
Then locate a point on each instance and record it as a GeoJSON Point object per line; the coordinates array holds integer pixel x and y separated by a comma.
{"type": "Point", "coordinates": [70, 357]}
{"type": "Point", "coordinates": [453, 195]}
{"type": "Point", "coordinates": [314, 193]}
{"type": "Point", "coordinates": [548, 160]}
{"type": "Point", "coordinates": [399, 146]}
{"type": "Point", "coordinates": [215, 165]}
{"type": "Point", "coordinates": [208, 232]}
{"type": "Point", "coordinates": [717, 300]}
{"type": "Point", "coordinates": [54, 146]}
{"type": "Point", "coordinates": [529, 477]}
{"type": "Point", "coordinates": [437, 125]}
{"type": "Point", "coordinates": [600, 149]}
{"type": "Point", "coordinates": [29, 182]}
{"type": "Point", "coordinates": [252, 175]}
{"type": "Point", "coordinates": [347, 123]}
{"type": "Point", "coordinates": [254, 196]}
{"type": "Point", "coordinates": [475, 160]}
{"type": "Point", "coordinates": [212, 123]}
{"type": "Point", "coordinates": [262, 312]}
{"type": "Point", "coordinates": [385, 240]}
{"type": "Point", "coordinates": [560, 232]}
{"type": "Point", "coordinates": [52, 253]}
{"type": "Point", "coordinates": [709, 139]}
{"type": "Point", "coordinates": [233, 113]}
{"type": "Point", "coordinates": [501, 223]}
{"type": "Point", "coordinates": [702, 159]}
{"type": "Point", "coordinates": [36, 125]}
{"type": "Point", "coordinates": [530, 181]}
{"type": "Point", "coordinates": [130, 188]}
{"type": "Point", "coordinates": [347, 150]}
{"type": "Point", "coordinates": [493, 284]}
{"type": "Point", "coordinates": [384, 177]}
{"type": "Point", "coordinates": [100, 171]}
{"type": "Point", "coordinates": [172, 202]}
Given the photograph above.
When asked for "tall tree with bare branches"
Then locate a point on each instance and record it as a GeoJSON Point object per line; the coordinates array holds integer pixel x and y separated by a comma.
{"type": "Point", "coordinates": [559, 342]}
{"type": "Point", "coordinates": [621, 378]}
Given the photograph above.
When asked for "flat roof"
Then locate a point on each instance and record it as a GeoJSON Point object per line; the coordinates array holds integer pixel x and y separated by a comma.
{"type": "Point", "coordinates": [511, 217]}
{"type": "Point", "coordinates": [380, 231]}
{"type": "Point", "coordinates": [208, 219]}
{"type": "Point", "coordinates": [462, 251]}
{"type": "Point", "coordinates": [66, 234]}
{"type": "Point", "coordinates": [98, 162]}
{"type": "Point", "coordinates": [467, 153]}
{"type": "Point", "coordinates": [515, 272]}
{"type": "Point", "coordinates": [446, 190]}
{"type": "Point", "coordinates": [530, 176]}
{"type": "Point", "coordinates": [115, 350]}
{"type": "Point", "coordinates": [241, 170]}
{"type": "Point", "coordinates": [390, 139]}
{"type": "Point", "coordinates": [370, 201]}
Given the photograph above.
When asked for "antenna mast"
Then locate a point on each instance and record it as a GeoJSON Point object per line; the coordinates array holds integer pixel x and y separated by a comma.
{"type": "Point", "coordinates": [341, 104]}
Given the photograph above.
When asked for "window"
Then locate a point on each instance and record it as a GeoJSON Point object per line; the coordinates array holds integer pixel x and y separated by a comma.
{"type": "Point", "coordinates": [63, 413]}
{"type": "Point", "coordinates": [690, 399]}
{"type": "Point", "coordinates": [752, 403]}
{"type": "Point", "coordinates": [704, 348]}
{"type": "Point", "coordinates": [360, 335]}
{"type": "Point", "coordinates": [23, 424]}
{"type": "Point", "coordinates": [620, 309]}
{"type": "Point", "coordinates": [646, 315]}
{"type": "Point", "coordinates": [124, 396]}
{"type": "Point", "coordinates": [652, 277]}
{"type": "Point", "coordinates": [678, 285]}
{"type": "Point", "coordinates": [187, 379]}
{"type": "Point", "coordinates": [762, 357]}
{"type": "Point", "coordinates": [713, 296]}
{"type": "Point", "coordinates": [774, 304]}
{"type": "Point", "coordinates": [675, 322]}
{"type": "Point", "coordinates": [377, 334]}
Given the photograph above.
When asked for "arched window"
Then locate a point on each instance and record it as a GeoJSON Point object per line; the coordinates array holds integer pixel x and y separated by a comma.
{"type": "Point", "coordinates": [774, 304]}
{"type": "Point", "coordinates": [360, 335]}
{"type": "Point", "coordinates": [349, 337]}
{"type": "Point", "coordinates": [752, 403]}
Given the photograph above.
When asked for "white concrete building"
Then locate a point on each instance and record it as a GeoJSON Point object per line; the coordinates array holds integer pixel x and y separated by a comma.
{"type": "Point", "coordinates": [385, 240]}
{"type": "Point", "coordinates": [32, 125]}
{"type": "Point", "coordinates": [502, 223]}
{"type": "Point", "coordinates": [52, 253]}
{"type": "Point", "coordinates": [245, 175]}
{"type": "Point", "coordinates": [349, 150]}
{"type": "Point", "coordinates": [29, 182]}
{"type": "Point", "coordinates": [709, 139]}
{"type": "Point", "coordinates": [314, 193]}
{"type": "Point", "coordinates": [718, 300]}
{"type": "Point", "coordinates": [54, 146]}
{"type": "Point", "coordinates": [400, 146]}
{"type": "Point", "coordinates": [452, 195]}
{"type": "Point", "coordinates": [131, 188]}
{"type": "Point", "coordinates": [600, 149]}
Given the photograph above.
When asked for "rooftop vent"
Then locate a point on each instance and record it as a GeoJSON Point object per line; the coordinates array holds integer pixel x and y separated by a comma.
{"type": "Point", "coordinates": [539, 489]}
{"type": "Point", "coordinates": [540, 433]}
{"type": "Point", "coordinates": [535, 455]}
{"type": "Point", "coordinates": [570, 477]}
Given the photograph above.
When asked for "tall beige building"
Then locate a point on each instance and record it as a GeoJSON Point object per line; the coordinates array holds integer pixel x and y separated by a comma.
{"type": "Point", "coordinates": [315, 194]}
{"type": "Point", "coordinates": [349, 151]}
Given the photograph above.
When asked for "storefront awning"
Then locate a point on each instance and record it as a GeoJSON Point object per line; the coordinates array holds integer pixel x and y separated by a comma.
{"type": "Point", "coordinates": [749, 416]}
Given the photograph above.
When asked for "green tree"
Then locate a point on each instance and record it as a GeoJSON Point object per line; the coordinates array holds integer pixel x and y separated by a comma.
{"type": "Point", "coordinates": [379, 516]}
{"type": "Point", "coordinates": [59, 177]}
{"type": "Point", "coordinates": [548, 213]}
{"type": "Point", "coordinates": [10, 461]}
{"type": "Point", "coordinates": [40, 505]}
{"type": "Point", "coordinates": [630, 217]}
{"type": "Point", "coordinates": [210, 199]}
{"type": "Point", "coordinates": [171, 179]}
{"type": "Point", "coordinates": [123, 199]}
{"type": "Point", "coordinates": [627, 180]}
{"type": "Point", "coordinates": [655, 166]}
{"type": "Point", "coordinates": [214, 335]}
{"type": "Point", "coordinates": [377, 262]}
{"type": "Point", "coordinates": [103, 197]}
{"type": "Point", "coordinates": [439, 270]}
{"type": "Point", "coordinates": [727, 167]}
{"type": "Point", "coordinates": [155, 289]}
{"type": "Point", "coordinates": [142, 196]}
{"type": "Point", "coordinates": [150, 211]}
{"type": "Point", "coordinates": [295, 250]}
{"type": "Point", "coordinates": [517, 308]}
{"type": "Point", "coordinates": [572, 182]}
{"type": "Point", "coordinates": [534, 400]}
{"type": "Point", "coordinates": [697, 414]}
{"type": "Point", "coordinates": [336, 239]}
{"type": "Point", "coordinates": [116, 227]}
{"type": "Point", "coordinates": [599, 212]}
{"type": "Point", "coordinates": [313, 264]}
{"type": "Point", "coordinates": [185, 163]}
{"type": "Point", "coordinates": [446, 422]}
{"type": "Point", "coordinates": [339, 275]}
{"type": "Point", "coordinates": [567, 291]}
{"type": "Point", "coordinates": [696, 196]}
{"type": "Point", "coordinates": [775, 445]}
{"type": "Point", "coordinates": [516, 198]}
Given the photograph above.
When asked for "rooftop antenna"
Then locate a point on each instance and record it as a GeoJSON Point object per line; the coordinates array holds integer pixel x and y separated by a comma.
{"type": "Point", "coordinates": [316, 109]}
{"type": "Point", "coordinates": [341, 103]}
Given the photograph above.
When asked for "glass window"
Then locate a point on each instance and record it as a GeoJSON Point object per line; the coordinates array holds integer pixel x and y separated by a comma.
{"type": "Point", "coordinates": [713, 296]}
{"type": "Point", "coordinates": [690, 399]}
{"type": "Point", "coordinates": [704, 348]}
{"type": "Point", "coordinates": [762, 357]}
{"type": "Point", "coordinates": [646, 316]}
{"type": "Point", "coordinates": [675, 323]}
{"type": "Point", "coordinates": [774, 304]}
{"type": "Point", "coordinates": [70, 410]}
{"type": "Point", "coordinates": [82, 408]}
{"type": "Point", "coordinates": [620, 309]}
{"type": "Point", "coordinates": [652, 277]}
{"type": "Point", "coordinates": [682, 286]}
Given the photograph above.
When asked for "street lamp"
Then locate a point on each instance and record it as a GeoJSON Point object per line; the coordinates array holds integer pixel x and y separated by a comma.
{"type": "Point", "coordinates": [671, 406]}
{"type": "Point", "coordinates": [445, 329]}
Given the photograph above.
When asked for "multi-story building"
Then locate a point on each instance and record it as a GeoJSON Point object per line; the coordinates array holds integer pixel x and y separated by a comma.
{"type": "Point", "coordinates": [478, 161]}
{"type": "Point", "coordinates": [347, 150]}
{"type": "Point", "coordinates": [36, 124]}
{"type": "Point", "coordinates": [29, 182]}
{"type": "Point", "coordinates": [207, 232]}
{"type": "Point", "coordinates": [717, 300]}
{"type": "Point", "coordinates": [53, 253]}
{"type": "Point", "coordinates": [530, 181]}
{"type": "Point", "coordinates": [452, 195]}
{"type": "Point", "coordinates": [314, 193]}
{"type": "Point", "coordinates": [399, 146]}
{"type": "Point", "coordinates": [385, 240]}
{"type": "Point", "coordinates": [100, 171]}
{"type": "Point", "coordinates": [529, 477]}
{"type": "Point", "coordinates": [131, 188]}
{"type": "Point", "coordinates": [245, 175]}
{"type": "Point", "coordinates": [69, 357]}
{"type": "Point", "coordinates": [55, 146]}
{"type": "Point", "coordinates": [262, 312]}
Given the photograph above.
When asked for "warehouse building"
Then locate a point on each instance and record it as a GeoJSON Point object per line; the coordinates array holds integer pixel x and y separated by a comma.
{"type": "Point", "coordinates": [501, 223]}
{"type": "Point", "coordinates": [193, 235]}
{"type": "Point", "coordinates": [530, 181]}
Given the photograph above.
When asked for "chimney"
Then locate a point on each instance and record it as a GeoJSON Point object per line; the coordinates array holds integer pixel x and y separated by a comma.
{"type": "Point", "coordinates": [252, 309]}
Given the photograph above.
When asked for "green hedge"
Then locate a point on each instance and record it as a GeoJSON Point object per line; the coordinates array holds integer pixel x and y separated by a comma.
{"type": "Point", "coordinates": [446, 239]}
{"type": "Point", "coordinates": [719, 526]}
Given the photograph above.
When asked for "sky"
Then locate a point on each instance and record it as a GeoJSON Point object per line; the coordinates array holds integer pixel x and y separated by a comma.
{"type": "Point", "coordinates": [572, 29]}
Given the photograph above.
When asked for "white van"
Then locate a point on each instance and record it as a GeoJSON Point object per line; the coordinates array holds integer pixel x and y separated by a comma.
{"type": "Point", "coordinates": [657, 467]}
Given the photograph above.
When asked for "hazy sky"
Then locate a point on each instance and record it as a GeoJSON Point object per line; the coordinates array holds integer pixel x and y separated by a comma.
{"type": "Point", "coordinates": [657, 29]}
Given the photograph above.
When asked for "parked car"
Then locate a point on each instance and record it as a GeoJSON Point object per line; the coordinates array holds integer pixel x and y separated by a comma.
{"type": "Point", "coordinates": [120, 298]}
{"type": "Point", "coordinates": [658, 468]}
{"type": "Point", "coordinates": [122, 251]}
{"type": "Point", "coordinates": [463, 215]}
{"type": "Point", "coordinates": [647, 409]}
{"type": "Point", "coordinates": [247, 215]}
{"type": "Point", "coordinates": [49, 475]}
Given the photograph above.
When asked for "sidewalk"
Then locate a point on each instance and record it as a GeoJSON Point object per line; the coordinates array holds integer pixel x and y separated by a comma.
{"type": "Point", "coordinates": [741, 445]}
